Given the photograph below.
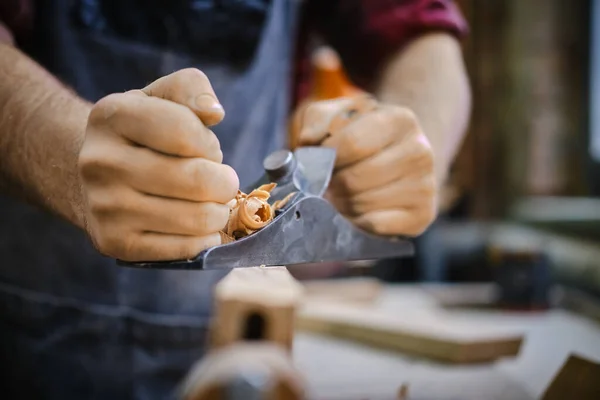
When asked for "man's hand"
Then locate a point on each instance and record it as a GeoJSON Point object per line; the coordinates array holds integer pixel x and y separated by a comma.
{"type": "Point", "coordinates": [384, 179]}
{"type": "Point", "coordinates": [154, 185]}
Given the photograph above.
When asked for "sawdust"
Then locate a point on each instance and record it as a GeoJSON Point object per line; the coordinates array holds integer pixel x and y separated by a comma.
{"type": "Point", "coordinates": [251, 212]}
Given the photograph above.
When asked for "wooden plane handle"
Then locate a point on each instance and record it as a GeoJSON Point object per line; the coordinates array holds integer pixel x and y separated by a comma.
{"type": "Point", "coordinates": [330, 81]}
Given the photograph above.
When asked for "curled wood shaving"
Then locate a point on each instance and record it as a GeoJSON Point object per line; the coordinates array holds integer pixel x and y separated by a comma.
{"type": "Point", "coordinates": [251, 212]}
{"type": "Point", "coordinates": [281, 203]}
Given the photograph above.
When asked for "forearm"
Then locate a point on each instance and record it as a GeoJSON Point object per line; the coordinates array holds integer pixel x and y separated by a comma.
{"type": "Point", "coordinates": [429, 77]}
{"type": "Point", "coordinates": [42, 125]}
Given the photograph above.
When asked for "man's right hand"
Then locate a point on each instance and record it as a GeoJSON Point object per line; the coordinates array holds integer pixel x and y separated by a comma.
{"type": "Point", "coordinates": [153, 181]}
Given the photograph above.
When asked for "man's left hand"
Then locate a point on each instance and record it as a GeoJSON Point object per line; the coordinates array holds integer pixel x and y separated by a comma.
{"type": "Point", "coordinates": [384, 178]}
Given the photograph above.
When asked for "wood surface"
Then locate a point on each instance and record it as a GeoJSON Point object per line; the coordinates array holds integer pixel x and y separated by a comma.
{"type": "Point", "coordinates": [255, 304]}
{"type": "Point", "coordinates": [349, 370]}
{"type": "Point", "coordinates": [251, 337]}
{"type": "Point", "coordinates": [209, 379]}
{"type": "Point", "coordinates": [425, 330]}
{"type": "Point", "coordinates": [579, 378]}
{"type": "Point", "coordinates": [353, 290]}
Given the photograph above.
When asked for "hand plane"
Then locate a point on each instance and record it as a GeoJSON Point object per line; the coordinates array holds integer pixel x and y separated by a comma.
{"type": "Point", "coordinates": [307, 229]}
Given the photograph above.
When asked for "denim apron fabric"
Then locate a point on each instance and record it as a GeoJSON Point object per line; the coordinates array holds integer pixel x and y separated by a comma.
{"type": "Point", "coordinates": [73, 324]}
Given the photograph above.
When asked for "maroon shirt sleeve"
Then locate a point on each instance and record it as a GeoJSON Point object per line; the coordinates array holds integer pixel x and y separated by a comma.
{"type": "Point", "coordinates": [16, 16]}
{"type": "Point", "coordinates": [367, 32]}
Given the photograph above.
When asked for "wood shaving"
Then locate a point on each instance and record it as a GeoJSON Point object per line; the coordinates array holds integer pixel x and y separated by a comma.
{"type": "Point", "coordinates": [281, 203]}
{"type": "Point", "coordinates": [251, 212]}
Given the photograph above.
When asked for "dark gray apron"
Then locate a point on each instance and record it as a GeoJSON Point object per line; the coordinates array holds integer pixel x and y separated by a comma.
{"type": "Point", "coordinates": [73, 325]}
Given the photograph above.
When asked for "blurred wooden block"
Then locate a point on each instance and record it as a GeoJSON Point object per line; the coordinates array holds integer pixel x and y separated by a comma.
{"type": "Point", "coordinates": [423, 330]}
{"type": "Point", "coordinates": [244, 370]}
{"type": "Point", "coordinates": [579, 378]}
{"type": "Point", "coordinates": [255, 304]}
{"type": "Point", "coordinates": [354, 290]}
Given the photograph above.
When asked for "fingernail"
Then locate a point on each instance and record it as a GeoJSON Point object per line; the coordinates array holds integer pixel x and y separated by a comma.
{"type": "Point", "coordinates": [206, 102]}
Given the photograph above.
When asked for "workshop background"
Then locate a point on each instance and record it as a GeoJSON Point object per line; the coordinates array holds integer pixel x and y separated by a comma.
{"type": "Point", "coordinates": [515, 249]}
{"type": "Point", "coordinates": [528, 160]}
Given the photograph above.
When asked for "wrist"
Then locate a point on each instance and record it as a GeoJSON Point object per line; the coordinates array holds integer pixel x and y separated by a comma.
{"type": "Point", "coordinates": [41, 131]}
{"type": "Point", "coordinates": [64, 194]}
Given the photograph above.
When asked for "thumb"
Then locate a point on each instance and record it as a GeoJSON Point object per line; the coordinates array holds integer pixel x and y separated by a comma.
{"type": "Point", "coordinates": [189, 87]}
{"type": "Point", "coordinates": [322, 119]}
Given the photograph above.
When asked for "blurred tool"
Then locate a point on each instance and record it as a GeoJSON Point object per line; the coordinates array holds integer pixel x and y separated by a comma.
{"type": "Point", "coordinates": [329, 82]}
{"type": "Point", "coordinates": [523, 277]}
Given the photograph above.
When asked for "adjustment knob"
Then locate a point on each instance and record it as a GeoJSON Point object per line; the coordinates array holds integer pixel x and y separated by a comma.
{"type": "Point", "coordinates": [279, 165]}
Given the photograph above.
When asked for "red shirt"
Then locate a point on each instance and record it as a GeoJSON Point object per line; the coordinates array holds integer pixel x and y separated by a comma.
{"type": "Point", "coordinates": [366, 32]}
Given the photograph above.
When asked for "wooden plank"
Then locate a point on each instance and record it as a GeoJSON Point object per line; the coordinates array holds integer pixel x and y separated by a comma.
{"type": "Point", "coordinates": [577, 379]}
{"type": "Point", "coordinates": [355, 290]}
{"type": "Point", "coordinates": [417, 329]}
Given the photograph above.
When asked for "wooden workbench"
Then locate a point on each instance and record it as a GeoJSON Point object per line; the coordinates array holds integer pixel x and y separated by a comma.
{"type": "Point", "coordinates": [346, 370]}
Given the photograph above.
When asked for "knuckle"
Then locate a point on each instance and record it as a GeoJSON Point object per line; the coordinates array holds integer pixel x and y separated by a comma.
{"type": "Point", "coordinates": [106, 108]}
{"type": "Point", "coordinates": [181, 145]}
{"type": "Point", "coordinates": [197, 176]}
{"type": "Point", "coordinates": [118, 244]}
{"type": "Point", "coordinates": [109, 205]}
{"type": "Point", "coordinates": [428, 188]}
{"type": "Point", "coordinates": [95, 164]}
{"type": "Point", "coordinates": [185, 250]}
{"type": "Point", "coordinates": [423, 143]}
{"type": "Point", "coordinates": [345, 181]}
{"type": "Point", "coordinates": [352, 142]}
{"type": "Point", "coordinates": [232, 181]}
{"type": "Point", "coordinates": [403, 114]}
{"type": "Point", "coordinates": [126, 245]}
{"type": "Point", "coordinates": [384, 230]}
{"type": "Point", "coordinates": [323, 110]}
{"type": "Point", "coordinates": [427, 159]}
{"type": "Point", "coordinates": [426, 215]}
{"type": "Point", "coordinates": [406, 118]}
{"type": "Point", "coordinates": [87, 158]}
{"type": "Point", "coordinates": [211, 218]}
{"type": "Point", "coordinates": [420, 153]}
{"type": "Point", "coordinates": [108, 244]}
{"type": "Point", "coordinates": [430, 213]}
{"type": "Point", "coordinates": [209, 181]}
{"type": "Point", "coordinates": [211, 146]}
{"type": "Point", "coordinates": [414, 229]}
{"type": "Point", "coordinates": [110, 236]}
{"type": "Point", "coordinates": [218, 155]}
{"type": "Point", "coordinates": [183, 141]}
{"type": "Point", "coordinates": [91, 167]}
{"type": "Point", "coordinates": [101, 206]}
{"type": "Point", "coordinates": [310, 113]}
{"type": "Point", "coordinates": [189, 75]}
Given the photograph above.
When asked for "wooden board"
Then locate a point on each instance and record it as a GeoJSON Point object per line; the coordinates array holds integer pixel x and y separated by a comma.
{"type": "Point", "coordinates": [413, 327]}
{"type": "Point", "coordinates": [577, 379]}
{"type": "Point", "coordinates": [355, 290]}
